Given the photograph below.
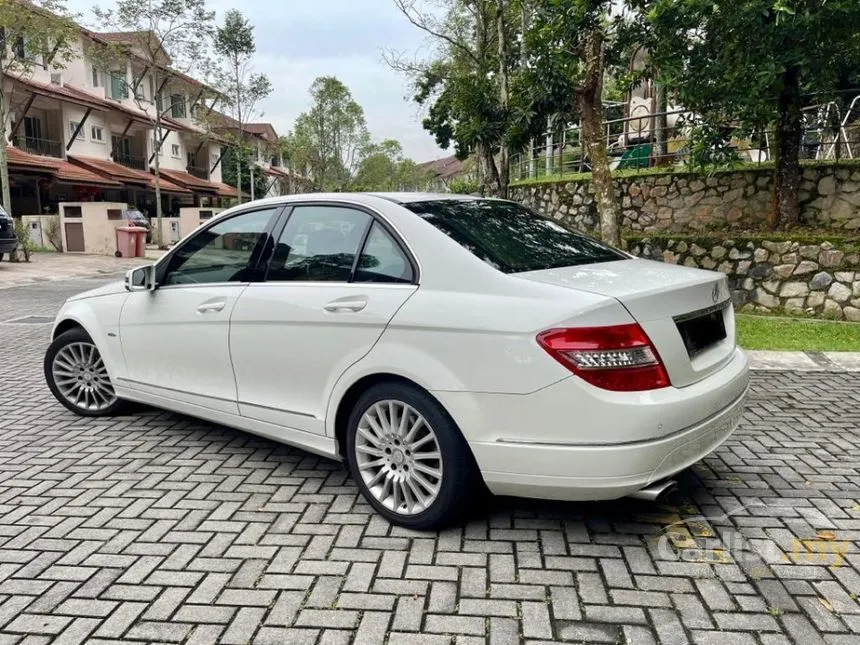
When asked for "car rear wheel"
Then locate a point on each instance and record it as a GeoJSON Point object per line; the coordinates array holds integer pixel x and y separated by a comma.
{"type": "Point", "coordinates": [409, 459]}
{"type": "Point", "coordinates": [77, 376]}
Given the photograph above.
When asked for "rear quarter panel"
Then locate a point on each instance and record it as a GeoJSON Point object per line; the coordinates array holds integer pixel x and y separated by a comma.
{"type": "Point", "coordinates": [470, 342]}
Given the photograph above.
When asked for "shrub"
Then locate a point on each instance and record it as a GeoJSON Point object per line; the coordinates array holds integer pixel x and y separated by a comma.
{"type": "Point", "coordinates": [463, 187]}
{"type": "Point", "coordinates": [53, 233]}
{"type": "Point", "coordinates": [25, 244]}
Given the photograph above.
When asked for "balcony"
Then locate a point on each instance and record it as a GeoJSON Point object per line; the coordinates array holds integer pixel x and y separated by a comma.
{"type": "Point", "coordinates": [129, 161]}
{"type": "Point", "coordinates": [199, 172]}
{"type": "Point", "coordinates": [43, 147]}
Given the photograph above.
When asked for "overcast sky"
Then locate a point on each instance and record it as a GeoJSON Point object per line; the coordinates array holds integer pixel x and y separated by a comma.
{"type": "Point", "coordinates": [298, 40]}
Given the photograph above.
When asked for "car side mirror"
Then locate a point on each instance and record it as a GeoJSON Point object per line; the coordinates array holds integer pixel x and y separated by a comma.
{"type": "Point", "coordinates": [141, 279]}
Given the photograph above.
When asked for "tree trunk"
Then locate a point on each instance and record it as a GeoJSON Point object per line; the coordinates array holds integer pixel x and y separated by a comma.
{"type": "Point", "coordinates": [789, 133]}
{"type": "Point", "coordinates": [240, 154]}
{"type": "Point", "coordinates": [591, 112]}
{"type": "Point", "coordinates": [239, 174]}
{"type": "Point", "coordinates": [156, 141]}
{"type": "Point", "coordinates": [4, 160]}
{"type": "Point", "coordinates": [505, 153]}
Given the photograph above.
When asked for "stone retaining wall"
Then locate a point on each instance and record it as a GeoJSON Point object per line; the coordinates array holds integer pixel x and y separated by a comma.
{"type": "Point", "coordinates": [681, 202]}
{"type": "Point", "coordinates": [821, 279]}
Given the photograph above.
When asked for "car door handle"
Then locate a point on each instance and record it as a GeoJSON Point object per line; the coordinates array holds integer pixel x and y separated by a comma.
{"type": "Point", "coordinates": [211, 307]}
{"type": "Point", "coordinates": [346, 304]}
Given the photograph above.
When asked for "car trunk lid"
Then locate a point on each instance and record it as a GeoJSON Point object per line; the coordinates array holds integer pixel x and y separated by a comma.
{"type": "Point", "coordinates": [686, 312]}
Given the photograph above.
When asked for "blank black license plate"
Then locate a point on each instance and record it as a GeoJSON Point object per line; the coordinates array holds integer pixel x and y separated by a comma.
{"type": "Point", "coordinates": [702, 331]}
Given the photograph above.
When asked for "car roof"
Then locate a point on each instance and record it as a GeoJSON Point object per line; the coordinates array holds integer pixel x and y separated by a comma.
{"type": "Point", "coordinates": [409, 198]}
{"type": "Point", "coordinates": [365, 198]}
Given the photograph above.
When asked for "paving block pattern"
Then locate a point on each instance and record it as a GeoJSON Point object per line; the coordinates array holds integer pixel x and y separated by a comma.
{"type": "Point", "coordinates": [161, 528]}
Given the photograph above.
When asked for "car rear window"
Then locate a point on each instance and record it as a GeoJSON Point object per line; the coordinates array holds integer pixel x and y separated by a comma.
{"type": "Point", "coordinates": [511, 237]}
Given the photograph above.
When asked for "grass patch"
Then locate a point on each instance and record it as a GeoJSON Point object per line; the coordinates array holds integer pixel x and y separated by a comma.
{"type": "Point", "coordinates": [797, 334]}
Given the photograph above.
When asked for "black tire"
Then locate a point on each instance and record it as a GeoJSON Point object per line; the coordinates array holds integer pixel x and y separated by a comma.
{"type": "Point", "coordinates": [461, 482]}
{"type": "Point", "coordinates": [1, 257]}
{"type": "Point", "coordinates": [70, 337]}
{"type": "Point", "coordinates": [118, 254]}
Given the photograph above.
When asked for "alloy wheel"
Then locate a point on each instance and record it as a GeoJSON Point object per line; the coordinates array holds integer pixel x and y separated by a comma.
{"type": "Point", "coordinates": [81, 377]}
{"type": "Point", "coordinates": [398, 456]}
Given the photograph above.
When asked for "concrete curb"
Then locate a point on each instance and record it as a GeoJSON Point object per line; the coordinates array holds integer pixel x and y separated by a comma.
{"type": "Point", "coordinates": [804, 361]}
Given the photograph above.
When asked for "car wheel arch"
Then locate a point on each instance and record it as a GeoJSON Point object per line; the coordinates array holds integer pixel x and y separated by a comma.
{"type": "Point", "coordinates": [354, 392]}
{"type": "Point", "coordinates": [66, 325]}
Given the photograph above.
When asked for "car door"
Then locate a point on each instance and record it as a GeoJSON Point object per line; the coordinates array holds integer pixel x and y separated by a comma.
{"type": "Point", "coordinates": [175, 339]}
{"type": "Point", "coordinates": [336, 278]}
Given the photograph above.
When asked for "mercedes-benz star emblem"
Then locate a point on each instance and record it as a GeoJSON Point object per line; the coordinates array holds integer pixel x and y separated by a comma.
{"type": "Point", "coordinates": [715, 294]}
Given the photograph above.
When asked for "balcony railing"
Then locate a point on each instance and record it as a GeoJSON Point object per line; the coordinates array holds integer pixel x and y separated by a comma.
{"type": "Point", "coordinates": [43, 147]}
{"type": "Point", "coordinates": [200, 173]}
{"type": "Point", "coordinates": [129, 161]}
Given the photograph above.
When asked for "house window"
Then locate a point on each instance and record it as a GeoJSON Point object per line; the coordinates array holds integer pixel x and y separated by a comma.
{"type": "Point", "coordinates": [177, 106]}
{"type": "Point", "coordinates": [97, 77]}
{"type": "Point", "coordinates": [118, 86]}
{"type": "Point", "coordinates": [174, 150]}
{"type": "Point", "coordinates": [97, 134]}
{"type": "Point", "coordinates": [121, 146]}
{"type": "Point", "coordinates": [73, 127]}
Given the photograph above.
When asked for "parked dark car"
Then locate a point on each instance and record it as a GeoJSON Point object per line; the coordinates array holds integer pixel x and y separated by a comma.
{"type": "Point", "coordinates": [136, 218]}
{"type": "Point", "coordinates": [8, 240]}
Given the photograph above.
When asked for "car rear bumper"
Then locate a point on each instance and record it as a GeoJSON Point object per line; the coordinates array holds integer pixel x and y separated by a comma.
{"type": "Point", "coordinates": [529, 466]}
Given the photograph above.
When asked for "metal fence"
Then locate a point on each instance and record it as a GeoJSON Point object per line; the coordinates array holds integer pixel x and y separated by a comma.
{"type": "Point", "coordinates": [830, 132]}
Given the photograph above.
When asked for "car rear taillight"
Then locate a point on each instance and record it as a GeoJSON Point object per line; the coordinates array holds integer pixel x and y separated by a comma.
{"type": "Point", "coordinates": [620, 358]}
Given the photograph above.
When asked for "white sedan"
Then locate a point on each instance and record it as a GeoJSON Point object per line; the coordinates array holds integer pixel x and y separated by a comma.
{"type": "Point", "coordinates": [435, 343]}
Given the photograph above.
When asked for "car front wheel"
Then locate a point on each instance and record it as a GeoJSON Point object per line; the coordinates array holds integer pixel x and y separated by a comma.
{"type": "Point", "coordinates": [409, 459]}
{"type": "Point", "coordinates": [77, 376]}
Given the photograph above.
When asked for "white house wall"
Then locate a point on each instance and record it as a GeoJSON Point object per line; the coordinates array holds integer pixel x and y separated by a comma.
{"type": "Point", "coordinates": [213, 156]}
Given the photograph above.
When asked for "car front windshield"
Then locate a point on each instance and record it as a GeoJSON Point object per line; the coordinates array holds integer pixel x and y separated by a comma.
{"type": "Point", "coordinates": [511, 237]}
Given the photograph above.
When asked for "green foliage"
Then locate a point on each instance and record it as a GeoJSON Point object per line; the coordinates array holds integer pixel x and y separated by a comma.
{"type": "Point", "coordinates": [752, 65]}
{"type": "Point", "coordinates": [330, 139]}
{"type": "Point", "coordinates": [162, 32]}
{"type": "Point", "coordinates": [230, 173]}
{"type": "Point", "coordinates": [463, 187]}
{"type": "Point", "coordinates": [25, 244]}
{"type": "Point", "coordinates": [241, 89]}
{"type": "Point", "coordinates": [53, 232]}
{"type": "Point", "coordinates": [468, 85]}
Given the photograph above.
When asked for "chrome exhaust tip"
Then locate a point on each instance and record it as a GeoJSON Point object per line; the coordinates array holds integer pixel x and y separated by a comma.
{"type": "Point", "coordinates": [655, 491]}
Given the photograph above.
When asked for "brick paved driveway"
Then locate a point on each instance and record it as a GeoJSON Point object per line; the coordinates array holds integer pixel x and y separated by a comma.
{"type": "Point", "coordinates": [160, 528]}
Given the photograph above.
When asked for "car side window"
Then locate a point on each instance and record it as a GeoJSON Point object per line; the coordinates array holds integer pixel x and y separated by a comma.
{"type": "Point", "coordinates": [319, 243]}
{"type": "Point", "coordinates": [382, 259]}
{"type": "Point", "coordinates": [220, 253]}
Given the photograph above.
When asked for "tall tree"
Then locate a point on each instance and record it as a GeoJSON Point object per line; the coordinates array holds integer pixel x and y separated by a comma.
{"type": "Point", "coordinates": [754, 64]}
{"type": "Point", "coordinates": [33, 33]}
{"type": "Point", "coordinates": [567, 45]}
{"type": "Point", "coordinates": [466, 85]}
{"type": "Point", "coordinates": [169, 38]}
{"type": "Point", "coordinates": [378, 169]}
{"type": "Point", "coordinates": [332, 134]}
{"type": "Point", "coordinates": [243, 89]}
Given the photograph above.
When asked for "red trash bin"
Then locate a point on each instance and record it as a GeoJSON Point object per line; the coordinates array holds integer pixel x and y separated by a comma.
{"type": "Point", "coordinates": [125, 242]}
{"type": "Point", "coordinates": [130, 242]}
{"type": "Point", "coordinates": [140, 241]}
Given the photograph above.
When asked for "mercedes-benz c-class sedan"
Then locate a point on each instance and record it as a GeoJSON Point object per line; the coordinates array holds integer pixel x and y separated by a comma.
{"type": "Point", "coordinates": [437, 344]}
